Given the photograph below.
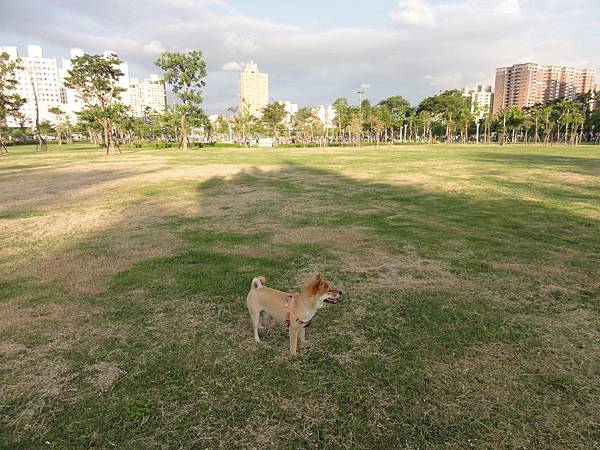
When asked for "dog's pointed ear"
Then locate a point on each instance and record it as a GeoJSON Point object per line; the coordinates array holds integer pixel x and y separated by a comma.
{"type": "Point", "coordinates": [314, 285]}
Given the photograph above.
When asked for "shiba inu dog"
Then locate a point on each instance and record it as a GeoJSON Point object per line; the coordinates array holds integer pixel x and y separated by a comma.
{"type": "Point", "coordinates": [294, 310]}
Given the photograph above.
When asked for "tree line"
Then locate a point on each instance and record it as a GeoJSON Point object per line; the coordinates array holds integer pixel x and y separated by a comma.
{"type": "Point", "coordinates": [446, 117]}
{"type": "Point", "coordinates": [105, 119]}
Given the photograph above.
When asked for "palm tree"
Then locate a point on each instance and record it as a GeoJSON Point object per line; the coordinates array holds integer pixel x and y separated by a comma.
{"type": "Point", "coordinates": [503, 117]}
{"type": "Point", "coordinates": [547, 114]}
{"type": "Point", "coordinates": [565, 108]}
{"type": "Point", "coordinates": [528, 122]}
{"type": "Point", "coordinates": [577, 120]}
{"type": "Point", "coordinates": [425, 118]}
{"type": "Point", "coordinates": [487, 122]}
{"type": "Point", "coordinates": [536, 115]}
{"type": "Point", "coordinates": [465, 117]}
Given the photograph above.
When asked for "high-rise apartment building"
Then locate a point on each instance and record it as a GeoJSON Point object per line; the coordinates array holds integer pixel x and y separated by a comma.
{"type": "Point", "coordinates": [123, 81]}
{"type": "Point", "coordinates": [149, 93]}
{"type": "Point", "coordinates": [254, 90]}
{"type": "Point", "coordinates": [38, 78]}
{"type": "Point", "coordinates": [528, 84]}
{"type": "Point", "coordinates": [42, 77]}
{"type": "Point", "coordinates": [481, 97]}
{"type": "Point", "coordinates": [290, 110]}
{"type": "Point", "coordinates": [326, 114]}
{"type": "Point", "coordinates": [71, 102]}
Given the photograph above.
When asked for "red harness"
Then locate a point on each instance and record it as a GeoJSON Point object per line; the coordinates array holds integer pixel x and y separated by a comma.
{"type": "Point", "coordinates": [290, 313]}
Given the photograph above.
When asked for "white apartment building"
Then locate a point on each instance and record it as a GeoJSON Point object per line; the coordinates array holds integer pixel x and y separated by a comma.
{"type": "Point", "coordinates": [38, 77]}
{"type": "Point", "coordinates": [482, 98]}
{"type": "Point", "coordinates": [71, 102]}
{"type": "Point", "coordinates": [254, 90]}
{"type": "Point", "coordinates": [326, 114]}
{"type": "Point", "coordinates": [44, 75]}
{"type": "Point", "coordinates": [290, 109]}
{"type": "Point", "coordinates": [149, 93]}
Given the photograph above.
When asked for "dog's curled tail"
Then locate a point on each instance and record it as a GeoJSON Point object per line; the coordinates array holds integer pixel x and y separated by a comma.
{"type": "Point", "coordinates": [259, 282]}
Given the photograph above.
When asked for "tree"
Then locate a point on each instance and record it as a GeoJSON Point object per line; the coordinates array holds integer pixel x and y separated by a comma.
{"type": "Point", "coordinates": [380, 118]}
{"type": "Point", "coordinates": [355, 125]}
{"type": "Point", "coordinates": [342, 114]}
{"type": "Point", "coordinates": [304, 121]}
{"type": "Point", "coordinates": [397, 107]}
{"type": "Point", "coordinates": [445, 107]}
{"type": "Point", "coordinates": [515, 120]}
{"type": "Point", "coordinates": [42, 144]}
{"type": "Point", "coordinates": [59, 124]}
{"type": "Point", "coordinates": [536, 114]}
{"type": "Point", "coordinates": [425, 119]}
{"type": "Point", "coordinates": [95, 78]}
{"type": "Point", "coordinates": [594, 124]}
{"type": "Point", "coordinates": [547, 114]}
{"type": "Point", "coordinates": [503, 117]}
{"type": "Point", "coordinates": [465, 118]}
{"type": "Point", "coordinates": [528, 122]}
{"type": "Point", "coordinates": [185, 74]}
{"type": "Point", "coordinates": [272, 116]}
{"type": "Point", "coordinates": [45, 127]}
{"type": "Point", "coordinates": [87, 122]}
{"type": "Point", "coordinates": [10, 101]}
{"type": "Point", "coordinates": [125, 123]}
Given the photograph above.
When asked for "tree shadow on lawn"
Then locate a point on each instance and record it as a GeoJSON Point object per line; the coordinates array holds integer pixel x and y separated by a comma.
{"type": "Point", "coordinates": [577, 164]}
{"type": "Point", "coordinates": [52, 188]}
{"type": "Point", "coordinates": [385, 367]}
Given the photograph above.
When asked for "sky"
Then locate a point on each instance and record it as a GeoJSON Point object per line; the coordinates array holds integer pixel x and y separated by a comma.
{"type": "Point", "coordinates": [318, 50]}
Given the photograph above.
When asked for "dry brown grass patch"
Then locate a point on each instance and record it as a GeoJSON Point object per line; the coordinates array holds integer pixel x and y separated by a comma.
{"type": "Point", "coordinates": [105, 375]}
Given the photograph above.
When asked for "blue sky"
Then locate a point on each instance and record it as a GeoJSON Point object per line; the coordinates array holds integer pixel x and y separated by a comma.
{"type": "Point", "coordinates": [317, 51]}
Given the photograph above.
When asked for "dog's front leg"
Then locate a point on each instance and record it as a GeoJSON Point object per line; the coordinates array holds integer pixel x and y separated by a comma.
{"type": "Point", "coordinates": [303, 335]}
{"type": "Point", "coordinates": [293, 339]}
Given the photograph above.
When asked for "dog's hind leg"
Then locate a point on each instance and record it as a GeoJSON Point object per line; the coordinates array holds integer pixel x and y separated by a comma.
{"type": "Point", "coordinates": [262, 319]}
{"type": "Point", "coordinates": [255, 319]}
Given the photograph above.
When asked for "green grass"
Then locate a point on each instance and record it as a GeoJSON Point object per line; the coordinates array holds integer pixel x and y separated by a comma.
{"type": "Point", "coordinates": [471, 315]}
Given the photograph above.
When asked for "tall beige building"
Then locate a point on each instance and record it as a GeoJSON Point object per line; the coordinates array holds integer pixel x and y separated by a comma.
{"type": "Point", "coordinates": [528, 84]}
{"type": "Point", "coordinates": [254, 90]}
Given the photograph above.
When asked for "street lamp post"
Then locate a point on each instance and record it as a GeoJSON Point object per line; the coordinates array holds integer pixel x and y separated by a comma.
{"type": "Point", "coordinates": [360, 94]}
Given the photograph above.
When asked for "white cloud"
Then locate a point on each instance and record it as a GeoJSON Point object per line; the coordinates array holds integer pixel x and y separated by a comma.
{"type": "Point", "coordinates": [154, 48]}
{"type": "Point", "coordinates": [237, 42]}
{"type": "Point", "coordinates": [233, 66]}
{"type": "Point", "coordinates": [508, 7]}
{"type": "Point", "coordinates": [365, 86]}
{"type": "Point", "coordinates": [413, 13]}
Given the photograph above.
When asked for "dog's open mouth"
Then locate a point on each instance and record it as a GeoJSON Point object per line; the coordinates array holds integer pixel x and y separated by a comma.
{"type": "Point", "coordinates": [332, 300]}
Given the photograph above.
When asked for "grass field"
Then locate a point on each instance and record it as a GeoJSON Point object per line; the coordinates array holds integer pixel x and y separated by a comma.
{"type": "Point", "coordinates": [471, 315]}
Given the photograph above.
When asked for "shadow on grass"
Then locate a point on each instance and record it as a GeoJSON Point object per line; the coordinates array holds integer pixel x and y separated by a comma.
{"type": "Point", "coordinates": [192, 376]}
{"type": "Point", "coordinates": [48, 188]}
{"type": "Point", "coordinates": [578, 164]}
